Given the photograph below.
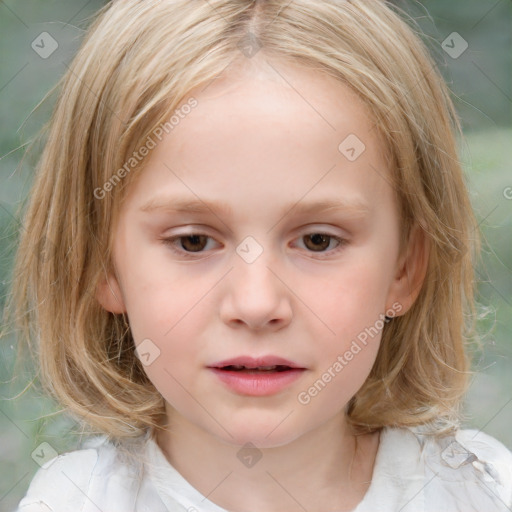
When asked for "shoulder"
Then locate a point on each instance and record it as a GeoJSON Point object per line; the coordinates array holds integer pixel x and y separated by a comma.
{"type": "Point", "coordinates": [64, 482]}
{"type": "Point", "coordinates": [486, 448]}
{"type": "Point", "coordinates": [456, 447]}
{"type": "Point", "coordinates": [468, 468]}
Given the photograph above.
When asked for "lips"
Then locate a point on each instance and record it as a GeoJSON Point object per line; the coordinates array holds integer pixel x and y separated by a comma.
{"type": "Point", "coordinates": [257, 376]}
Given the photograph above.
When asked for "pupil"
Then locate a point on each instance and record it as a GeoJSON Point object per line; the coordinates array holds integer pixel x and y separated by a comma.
{"type": "Point", "coordinates": [318, 239]}
{"type": "Point", "coordinates": [195, 240]}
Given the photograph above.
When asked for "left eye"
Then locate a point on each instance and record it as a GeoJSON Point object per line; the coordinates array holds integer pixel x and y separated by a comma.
{"type": "Point", "coordinates": [319, 242]}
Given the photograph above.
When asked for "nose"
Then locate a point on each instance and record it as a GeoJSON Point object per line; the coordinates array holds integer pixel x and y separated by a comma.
{"type": "Point", "coordinates": [256, 296]}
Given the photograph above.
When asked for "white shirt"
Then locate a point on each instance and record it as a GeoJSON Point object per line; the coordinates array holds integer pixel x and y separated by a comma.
{"type": "Point", "coordinates": [466, 472]}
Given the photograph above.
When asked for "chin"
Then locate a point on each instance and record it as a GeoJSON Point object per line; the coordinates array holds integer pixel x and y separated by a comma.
{"type": "Point", "coordinates": [262, 434]}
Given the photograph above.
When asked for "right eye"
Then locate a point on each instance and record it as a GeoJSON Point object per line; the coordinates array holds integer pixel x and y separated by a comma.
{"type": "Point", "coordinates": [188, 243]}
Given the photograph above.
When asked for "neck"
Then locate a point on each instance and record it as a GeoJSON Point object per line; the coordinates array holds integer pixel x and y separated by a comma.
{"type": "Point", "coordinates": [320, 471]}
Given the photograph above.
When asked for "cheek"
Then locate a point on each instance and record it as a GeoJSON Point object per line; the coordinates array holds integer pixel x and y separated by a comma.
{"type": "Point", "coordinates": [174, 328]}
{"type": "Point", "coordinates": [354, 297]}
{"type": "Point", "coordinates": [353, 307]}
{"type": "Point", "coordinates": [158, 298]}
{"type": "Point", "coordinates": [167, 309]}
{"type": "Point", "coordinates": [169, 329]}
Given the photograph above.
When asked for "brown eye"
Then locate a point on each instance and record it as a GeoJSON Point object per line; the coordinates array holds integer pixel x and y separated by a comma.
{"type": "Point", "coordinates": [317, 242]}
{"type": "Point", "coordinates": [193, 243]}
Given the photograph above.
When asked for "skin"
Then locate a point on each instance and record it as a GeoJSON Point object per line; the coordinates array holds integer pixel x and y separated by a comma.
{"type": "Point", "coordinates": [261, 146]}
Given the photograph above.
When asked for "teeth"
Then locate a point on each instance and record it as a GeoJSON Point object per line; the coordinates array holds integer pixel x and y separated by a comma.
{"type": "Point", "coordinates": [259, 368]}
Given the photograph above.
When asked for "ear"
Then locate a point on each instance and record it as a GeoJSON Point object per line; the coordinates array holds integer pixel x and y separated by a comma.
{"type": "Point", "coordinates": [109, 295]}
{"type": "Point", "coordinates": [410, 272]}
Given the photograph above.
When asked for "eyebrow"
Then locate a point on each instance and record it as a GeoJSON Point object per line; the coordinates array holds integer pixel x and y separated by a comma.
{"type": "Point", "coordinates": [181, 205]}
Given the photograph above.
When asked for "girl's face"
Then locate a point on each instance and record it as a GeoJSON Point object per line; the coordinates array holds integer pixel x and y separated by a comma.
{"type": "Point", "coordinates": [264, 228]}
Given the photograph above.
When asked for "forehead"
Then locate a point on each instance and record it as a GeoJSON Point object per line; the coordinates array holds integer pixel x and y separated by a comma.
{"type": "Point", "coordinates": [280, 92]}
{"type": "Point", "coordinates": [274, 129]}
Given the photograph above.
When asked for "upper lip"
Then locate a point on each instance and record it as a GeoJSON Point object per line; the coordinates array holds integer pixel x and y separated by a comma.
{"type": "Point", "coordinates": [255, 362]}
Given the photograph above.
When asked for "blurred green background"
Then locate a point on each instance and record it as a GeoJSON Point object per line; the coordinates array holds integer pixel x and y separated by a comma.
{"type": "Point", "coordinates": [481, 81]}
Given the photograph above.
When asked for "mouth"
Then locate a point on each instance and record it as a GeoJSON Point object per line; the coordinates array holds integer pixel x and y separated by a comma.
{"type": "Point", "coordinates": [260, 369]}
{"type": "Point", "coordinates": [257, 376]}
{"type": "Point", "coordinates": [250, 364]}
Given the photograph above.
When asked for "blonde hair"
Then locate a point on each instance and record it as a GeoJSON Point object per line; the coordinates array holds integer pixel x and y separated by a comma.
{"type": "Point", "coordinates": [138, 62]}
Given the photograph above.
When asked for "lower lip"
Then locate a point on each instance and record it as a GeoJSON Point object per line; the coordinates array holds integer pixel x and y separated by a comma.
{"type": "Point", "coordinates": [258, 384]}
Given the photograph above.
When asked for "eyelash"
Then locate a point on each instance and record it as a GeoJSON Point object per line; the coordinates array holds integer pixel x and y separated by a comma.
{"type": "Point", "coordinates": [170, 242]}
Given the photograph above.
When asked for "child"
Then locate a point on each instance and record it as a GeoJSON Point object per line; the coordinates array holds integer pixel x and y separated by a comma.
{"type": "Point", "coordinates": [247, 264]}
